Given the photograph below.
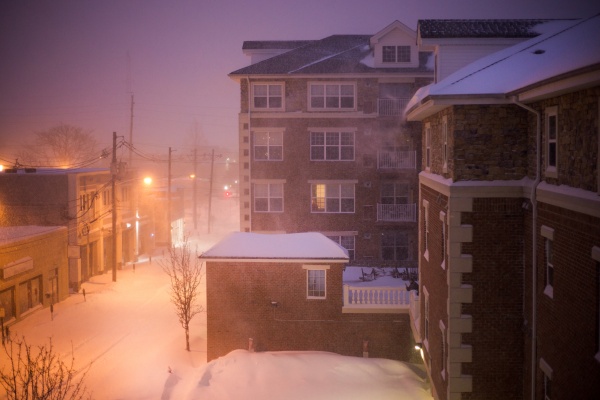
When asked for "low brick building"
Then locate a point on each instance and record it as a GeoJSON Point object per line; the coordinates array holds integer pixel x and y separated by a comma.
{"type": "Point", "coordinates": [34, 269]}
{"type": "Point", "coordinates": [285, 292]}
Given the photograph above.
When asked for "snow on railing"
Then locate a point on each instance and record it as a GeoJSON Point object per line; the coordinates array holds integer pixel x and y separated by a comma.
{"type": "Point", "coordinates": [376, 297]}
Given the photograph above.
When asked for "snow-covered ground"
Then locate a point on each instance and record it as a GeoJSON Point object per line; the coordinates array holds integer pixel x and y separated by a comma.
{"type": "Point", "coordinates": [127, 330]}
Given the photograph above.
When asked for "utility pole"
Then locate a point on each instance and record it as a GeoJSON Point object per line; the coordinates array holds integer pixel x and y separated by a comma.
{"type": "Point", "coordinates": [113, 168]}
{"type": "Point", "coordinates": [212, 163]}
{"type": "Point", "coordinates": [195, 187]}
{"type": "Point", "coordinates": [169, 242]}
{"type": "Point", "coordinates": [131, 133]}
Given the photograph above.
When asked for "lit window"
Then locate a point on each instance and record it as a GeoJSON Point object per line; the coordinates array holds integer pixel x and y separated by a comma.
{"type": "Point", "coordinates": [267, 96]}
{"type": "Point", "coordinates": [331, 96]}
{"type": "Point", "coordinates": [332, 146]}
{"type": "Point", "coordinates": [316, 283]}
{"type": "Point", "coordinates": [332, 197]}
{"type": "Point", "coordinates": [268, 146]}
{"type": "Point", "coordinates": [268, 197]}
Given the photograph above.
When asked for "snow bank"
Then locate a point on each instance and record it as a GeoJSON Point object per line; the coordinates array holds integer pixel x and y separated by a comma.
{"type": "Point", "coordinates": [307, 375]}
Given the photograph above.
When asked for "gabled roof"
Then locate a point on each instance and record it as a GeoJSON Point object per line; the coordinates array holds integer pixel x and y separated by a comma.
{"type": "Point", "coordinates": [274, 44]}
{"type": "Point", "coordinates": [478, 28]}
{"type": "Point", "coordinates": [291, 246]}
{"type": "Point", "coordinates": [336, 54]}
{"type": "Point", "coordinates": [566, 49]}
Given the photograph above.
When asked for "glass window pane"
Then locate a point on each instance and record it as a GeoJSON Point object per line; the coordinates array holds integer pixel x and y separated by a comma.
{"type": "Point", "coordinates": [347, 190]}
{"type": "Point", "coordinates": [317, 153]}
{"type": "Point", "coordinates": [347, 90]}
{"type": "Point", "coordinates": [276, 190]}
{"type": "Point", "coordinates": [260, 90]}
{"type": "Point", "coordinates": [261, 153]}
{"type": "Point", "coordinates": [317, 90]}
{"type": "Point", "coordinates": [260, 102]}
{"type": "Point", "coordinates": [347, 153]}
{"type": "Point", "coordinates": [333, 102]}
{"type": "Point", "coordinates": [332, 190]}
{"type": "Point", "coordinates": [317, 102]}
{"type": "Point", "coordinates": [333, 204]}
{"type": "Point", "coordinates": [332, 90]}
{"type": "Point", "coordinates": [261, 138]}
{"type": "Point", "coordinates": [332, 153]}
{"type": "Point", "coordinates": [275, 102]}
{"type": "Point", "coordinates": [276, 204]}
{"type": "Point", "coordinates": [276, 153]}
{"type": "Point", "coordinates": [332, 138]}
{"type": "Point", "coordinates": [261, 204]}
{"type": "Point", "coordinates": [347, 205]}
{"type": "Point", "coordinates": [317, 138]}
{"type": "Point", "coordinates": [275, 90]}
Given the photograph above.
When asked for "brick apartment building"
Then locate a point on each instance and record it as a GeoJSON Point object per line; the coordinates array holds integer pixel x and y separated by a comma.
{"type": "Point", "coordinates": [284, 292]}
{"type": "Point", "coordinates": [509, 231]}
{"type": "Point", "coordinates": [323, 143]}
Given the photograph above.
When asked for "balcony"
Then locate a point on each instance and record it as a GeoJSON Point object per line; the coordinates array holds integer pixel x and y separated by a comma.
{"type": "Point", "coordinates": [397, 159]}
{"type": "Point", "coordinates": [397, 212]}
{"type": "Point", "coordinates": [391, 107]}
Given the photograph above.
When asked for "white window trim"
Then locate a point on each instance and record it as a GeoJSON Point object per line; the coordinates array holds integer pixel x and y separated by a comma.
{"type": "Point", "coordinates": [547, 371]}
{"type": "Point", "coordinates": [549, 289]}
{"type": "Point", "coordinates": [269, 183]}
{"type": "Point", "coordinates": [426, 324]}
{"type": "Point", "coordinates": [445, 143]}
{"type": "Point", "coordinates": [428, 146]}
{"type": "Point", "coordinates": [272, 130]}
{"type": "Point", "coordinates": [339, 131]}
{"type": "Point", "coordinates": [309, 107]}
{"type": "Point", "coordinates": [444, 241]}
{"type": "Point", "coordinates": [426, 229]}
{"type": "Point", "coordinates": [251, 105]}
{"type": "Point", "coordinates": [316, 268]}
{"type": "Point", "coordinates": [444, 350]}
{"type": "Point", "coordinates": [551, 171]}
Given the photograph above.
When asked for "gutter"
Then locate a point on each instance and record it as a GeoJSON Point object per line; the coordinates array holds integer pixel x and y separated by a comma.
{"type": "Point", "coordinates": [533, 200]}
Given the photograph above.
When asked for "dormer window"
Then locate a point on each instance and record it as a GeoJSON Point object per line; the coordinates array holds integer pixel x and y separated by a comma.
{"type": "Point", "coordinates": [396, 54]}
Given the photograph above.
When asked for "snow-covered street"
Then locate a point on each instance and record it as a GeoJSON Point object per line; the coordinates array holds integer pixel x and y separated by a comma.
{"type": "Point", "coordinates": [129, 335]}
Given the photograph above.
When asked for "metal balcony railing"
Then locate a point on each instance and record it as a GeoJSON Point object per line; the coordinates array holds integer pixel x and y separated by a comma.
{"type": "Point", "coordinates": [397, 159]}
{"type": "Point", "coordinates": [396, 212]}
{"type": "Point", "coordinates": [391, 107]}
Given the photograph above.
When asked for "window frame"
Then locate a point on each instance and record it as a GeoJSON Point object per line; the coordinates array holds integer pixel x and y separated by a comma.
{"type": "Point", "coordinates": [326, 107]}
{"type": "Point", "coordinates": [274, 132]}
{"type": "Point", "coordinates": [325, 146]}
{"type": "Point", "coordinates": [314, 269]}
{"type": "Point", "coordinates": [317, 197]}
{"type": "Point", "coordinates": [445, 143]}
{"type": "Point", "coordinates": [397, 51]}
{"type": "Point", "coordinates": [444, 244]}
{"type": "Point", "coordinates": [396, 235]}
{"type": "Point", "coordinates": [253, 96]}
{"type": "Point", "coordinates": [339, 238]}
{"type": "Point", "coordinates": [551, 147]}
{"type": "Point", "coordinates": [426, 230]}
{"type": "Point", "coordinates": [269, 197]}
{"type": "Point", "coordinates": [548, 234]}
{"type": "Point", "coordinates": [444, 354]}
{"type": "Point", "coordinates": [428, 147]}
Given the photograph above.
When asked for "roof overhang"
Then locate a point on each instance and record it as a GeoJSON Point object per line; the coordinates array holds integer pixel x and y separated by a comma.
{"type": "Point", "coordinates": [433, 104]}
{"type": "Point", "coordinates": [375, 75]}
{"type": "Point", "coordinates": [275, 260]}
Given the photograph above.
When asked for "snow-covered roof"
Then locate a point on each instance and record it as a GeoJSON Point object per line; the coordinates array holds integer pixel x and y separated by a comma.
{"type": "Point", "coordinates": [562, 47]}
{"type": "Point", "coordinates": [11, 234]}
{"type": "Point", "coordinates": [336, 54]}
{"type": "Point", "coordinates": [290, 246]}
{"type": "Point", "coordinates": [478, 28]}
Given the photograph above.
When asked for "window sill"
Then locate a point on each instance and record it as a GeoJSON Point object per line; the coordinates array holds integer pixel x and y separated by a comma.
{"type": "Point", "coordinates": [549, 291]}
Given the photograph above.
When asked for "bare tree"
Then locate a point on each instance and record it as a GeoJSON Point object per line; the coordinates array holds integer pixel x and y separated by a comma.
{"type": "Point", "coordinates": [186, 274]}
{"type": "Point", "coordinates": [38, 373]}
{"type": "Point", "coordinates": [63, 145]}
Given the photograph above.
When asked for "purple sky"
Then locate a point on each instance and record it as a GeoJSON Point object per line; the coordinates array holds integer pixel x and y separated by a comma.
{"type": "Point", "coordinates": [66, 61]}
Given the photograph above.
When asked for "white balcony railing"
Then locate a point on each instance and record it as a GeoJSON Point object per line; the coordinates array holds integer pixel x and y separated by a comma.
{"type": "Point", "coordinates": [397, 159]}
{"type": "Point", "coordinates": [397, 212]}
{"type": "Point", "coordinates": [415, 315]}
{"type": "Point", "coordinates": [391, 107]}
{"type": "Point", "coordinates": [376, 299]}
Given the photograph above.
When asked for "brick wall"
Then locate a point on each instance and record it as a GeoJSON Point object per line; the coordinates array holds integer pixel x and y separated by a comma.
{"type": "Point", "coordinates": [568, 322]}
{"type": "Point", "coordinates": [239, 297]}
{"type": "Point", "coordinates": [497, 307]}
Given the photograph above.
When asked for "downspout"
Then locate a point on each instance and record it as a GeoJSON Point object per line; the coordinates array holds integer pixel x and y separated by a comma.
{"type": "Point", "coordinates": [533, 200]}
{"type": "Point", "coordinates": [249, 155]}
